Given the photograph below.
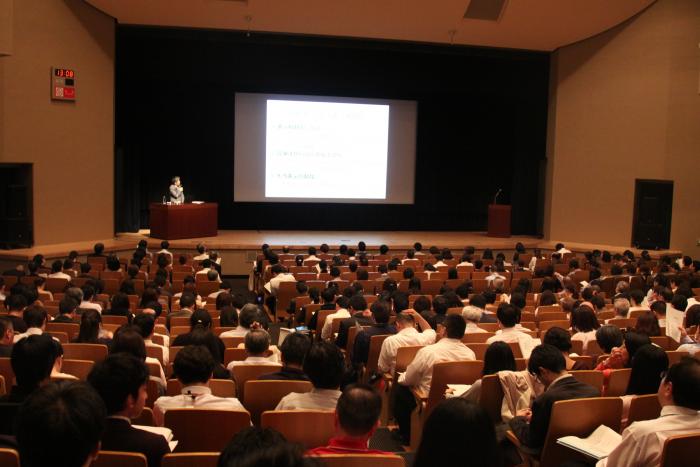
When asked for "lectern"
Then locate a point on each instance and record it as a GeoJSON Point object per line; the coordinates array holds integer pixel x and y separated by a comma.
{"type": "Point", "coordinates": [173, 221]}
{"type": "Point", "coordinates": [499, 220]}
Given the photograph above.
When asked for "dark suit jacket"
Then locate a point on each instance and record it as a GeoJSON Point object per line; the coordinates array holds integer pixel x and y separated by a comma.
{"type": "Point", "coordinates": [18, 324]}
{"type": "Point", "coordinates": [342, 339]}
{"type": "Point", "coordinates": [314, 318]}
{"type": "Point", "coordinates": [6, 351]}
{"type": "Point", "coordinates": [533, 434]}
{"type": "Point", "coordinates": [119, 435]}
{"type": "Point", "coordinates": [360, 352]}
{"type": "Point", "coordinates": [488, 318]}
{"type": "Point", "coordinates": [63, 319]}
{"type": "Point", "coordinates": [286, 374]}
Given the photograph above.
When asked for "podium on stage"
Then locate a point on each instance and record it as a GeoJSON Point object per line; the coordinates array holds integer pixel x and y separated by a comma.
{"type": "Point", "coordinates": [175, 221]}
{"type": "Point", "coordinates": [499, 220]}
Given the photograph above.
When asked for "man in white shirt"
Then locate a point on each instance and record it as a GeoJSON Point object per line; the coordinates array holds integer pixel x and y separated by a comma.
{"type": "Point", "coordinates": [279, 275]}
{"type": "Point", "coordinates": [146, 324]}
{"type": "Point", "coordinates": [341, 313]}
{"type": "Point", "coordinates": [36, 317]}
{"type": "Point", "coordinates": [324, 365]}
{"type": "Point", "coordinates": [88, 296]}
{"type": "Point", "coordinates": [164, 245]}
{"type": "Point", "coordinates": [257, 348]}
{"type": "Point", "coordinates": [472, 316]}
{"type": "Point", "coordinates": [224, 287]}
{"type": "Point", "coordinates": [312, 255]}
{"type": "Point", "coordinates": [56, 271]}
{"type": "Point", "coordinates": [679, 397]}
{"type": "Point", "coordinates": [202, 250]}
{"type": "Point", "coordinates": [194, 366]}
{"type": "Point", "coordinates": [407, 335]}
{"type": "Point", "coordinates": [561, 249]}
{"type": "Point", "coordinates": [419, 373]}
{"type": "Point", "coordinates": [508, 317]}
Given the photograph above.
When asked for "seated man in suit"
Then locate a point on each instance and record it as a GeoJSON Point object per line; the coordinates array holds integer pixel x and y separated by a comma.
{"type": "Point", "coordinates": [60, 424]}
{"type": "Point", "coordinates": [360, 315]}
{"type": "Point", "coordinates": [679, 396]}
{"type": "Point", "coordinates": [121, 380]}
{"type": "Point", "coordinates": [294, 349]}
{"type": "Point", "coordinates": [547, 364]}
{"type": "Point", "coordinates": [356, 420]}
{"type": "Point", "coordinates": [194, 366]}
{"type": "Point", "coordinates": [187, 306]}
{"type": "Point", "coordinates": [381, 312]}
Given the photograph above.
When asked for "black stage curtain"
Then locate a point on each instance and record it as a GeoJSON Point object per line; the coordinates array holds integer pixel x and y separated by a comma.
{"type": "Point", "coordinates": [482, 119]}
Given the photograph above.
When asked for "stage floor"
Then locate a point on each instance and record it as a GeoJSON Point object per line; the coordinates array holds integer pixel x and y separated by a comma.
{"type": "Point", "coordinates": [251, 240]}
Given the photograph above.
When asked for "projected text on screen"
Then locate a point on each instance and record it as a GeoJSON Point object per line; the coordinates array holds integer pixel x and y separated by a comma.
{"type": "Point", "coordinates": [309, 145]}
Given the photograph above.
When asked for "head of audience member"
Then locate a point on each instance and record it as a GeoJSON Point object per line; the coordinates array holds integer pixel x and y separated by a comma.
{"type": "Point", "coordinates": [681, 385]}
{"type": "Point", "coordinates": [583, 319]}
{"type": "Point", "coordinates": [67, 307]}
{"type": "Point", "coordinates": [478, 301]}
{"type": "Point", "coordinates": [60, 424]}
{"type": "Point", "coordinates": [440, 305]}
{"type": "Point", "coordinates": [453, 327]}
{"type": "Point", "coordinates": [622, 307]}
{"type": "Point", "coordinates": [498, 357]}
{"type": "Point", "coordinates": [648, 324]}
{"type": "Point", "coordinates": [559, 338]}
{"type": "Point", "coordinates": [472, 314]}
{"type": "Point", "coordinates": [90, 324]}
{"type": "Point", "coordinates": [187, 301]}
{"type": "Point", "coordinates": [35, 316]}
{"type": "Point", "coordinates": [294, 349]}
{"type": "Point", "coordinates": [258, 447]}
{"type": "Point", "coordinates": [648, 364]}
{"type": "Point", "coordinates": [357, 304]}
{"type": "Point", "coordinates": [324, 365]}
{"type": "Point", "coordinates": [608, 337]}
{"type": "Point", "coordinates": [212, 275]}
{"type": "Point", "coordinates": [146, 324]}
{"type": "Point", "coordinates": [517, 299]}
{"type": "Point", "coordinates": [200, 319]}
{"type": "Point", "coordinates": [381, 312]}
{"type": "Point", "coordinates": [457, 426]}
{"type": "Point", "coordinates": [507, 315]}
{"type": "Point", "coordinates": [128, 339]}
{"type": "Point", "coordinates": [194, 365]}
{"type": "Point", "coordinates": [32, 359]}
{"type": "Point", "coordinates": [257, 343]}
{"type": "Point", "coordinates": [405, 320]}
{"type": "Point", "coordinates": [248, 315]}
{"type": "Point", "coordinates": [692, 316]}
{"type": "Point", "coordinates": [7, 331]}
{"type": "Point", "coordinates": [633, 341]}
{"type": "Point", "coordinates": [679, 302]}
{"type": "Point", "coordinates": [120, 380]}
{"type": "Point", "coordinates": [546, 363]}
{"type": "Point", "coordinates": [547, 298]}
{"type": "Point", "coordinates": [357, 412]}
{"type": "Point", "coordinates": [598, 303]}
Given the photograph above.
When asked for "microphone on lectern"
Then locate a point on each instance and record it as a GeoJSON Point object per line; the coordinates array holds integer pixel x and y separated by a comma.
{"type": "Point", "coordinates": [495, 198]}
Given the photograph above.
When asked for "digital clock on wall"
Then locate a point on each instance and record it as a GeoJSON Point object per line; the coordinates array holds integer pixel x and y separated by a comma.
{"type": "Point", "coordinates": [62, 84]}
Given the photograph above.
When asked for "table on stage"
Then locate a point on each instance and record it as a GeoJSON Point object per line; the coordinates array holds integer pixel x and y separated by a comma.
{"type": "Point", "coordinates": [175, 221]}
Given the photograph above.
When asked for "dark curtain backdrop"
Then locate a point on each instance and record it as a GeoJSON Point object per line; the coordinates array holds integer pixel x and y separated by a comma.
{"type": "Point", "coordinates": [482, 118]}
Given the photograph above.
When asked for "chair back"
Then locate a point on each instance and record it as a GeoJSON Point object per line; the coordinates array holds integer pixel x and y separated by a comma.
{"type": "Point", "coordinates": [55, 284]}
{"type": "Point", "coordinates": [557, 323]}
{"type": "Point", "coordinates": [9, 457]}
{"type": "Point", "coordinates": [114, 319]}
{"type": "Point", "coordinates": [145, 418]}
{"type": "Point", "coordinates": [675, 356]}
{"type": "Point", "coordinates": [490, 327]}
{"type": "Point", "coordinates": [310, 428]}
{"type": "Point", "coordinates": [93, 352]}
{"type": "Point", "coordinates": [321, 319]}
{"type": "Point", "coordinates": [190, 459]}
{"type": "Point", "coordinates": [479, 349]}
{"type": "Point", "coordinates": [72, 329]}
{"type": "Point", "coordinates": [627, 323]}
{"type": "Point", "coordinates": [491, 397]}
{"type": "Point", "coordinates": [680, 451]}
{"type": "Point", "coordinates": [7, 372]}
{"type": "Point", "coordinates": [3, 388]}
{"type": "Point", "coordinates": [234, 341]}
{"type": "Point", "coordinates": [477, 337]}
{"type": "Point", "coordinates": [444, 373]}
{"type": "Point", "coordinates": [405, 355]}
{"type": "Point", "coordinates": [119, 459]}
{"type": "Point", "coordinates": [375, 346]}
{"type": "Point", "coordinates": [590, 377]}
{"type": "Point", "coordinates": [361, 460]}
{"type": "Point", "coordinates": [578, 417]}
{"type": "Point", "coordinates": [188, 427]}
{"type": "Point", "coordinates": [234, 354]}
{"type": "Point", "coordinates": [644, 407]}
{"type": "Point", "coordinates": [593, 349]}
{"type": "Point", "coordinates": [78, 368]}
{"type": "Point", "coordinates": [243, 373]}
{"type": "Point", "coordinates": [265, 395]}
{"type": "Point", "coordinates": [617, 384]}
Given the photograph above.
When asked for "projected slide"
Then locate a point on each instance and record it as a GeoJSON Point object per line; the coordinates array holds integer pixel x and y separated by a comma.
{"type": "Point", "coordinates": [326, 150]}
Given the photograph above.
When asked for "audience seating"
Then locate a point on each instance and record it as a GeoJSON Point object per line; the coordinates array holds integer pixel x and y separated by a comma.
{"type": "Point", "coordinates": [375, 346]}
{"type": "Point", "coordinates": [491, 397]}
{"type": "Point", "coordinates": [9, 458]}
{"type": "Point", "coordinates": [235, 354]}
{"type": "Point", "coordinates": [119, 459]}
{"type": "Point", "coordinates": [361, 460]}
{"type": "Point", "coordinates": [644, 407]}
{"type": "Point", "coordinates": [680, 451]}
{"type": "Point", "coordinates": [78, 368]}
{"type": "Point", "coordinates": [617, 384]}
{"type": "Point", "coordinates": [61, 336]}
{"type": "Point", "coordinates": [219, 387]}
{"type": "Point", "coordinates": [3, 388]}
{"type": "Point", "coordinates": [310, 428]}
{"type": "Point", "coordinates": [146, 418]}
{"type": "Point", "coordinates": [233, 342]}
{"type": "Point", "coordinates": [69, 328]}
{"type": "Point", "coordinates": [7, 372]}
{"type": "Point", "coordinates": [591, 377]}
{"type": "Point", "coordinates": [243, 373]}
{"type": "Point", "coordinates": [477, 337]}
{"type": "Point", "coordinates": [93, 352]}
{"type": "Point", "coordinates": [675, 356]}
{"type": "Point", "coordinates": [190, 459]}
{"type": "Point", "coordinates": [187, 427]}
{"type": "Point", "coordinates": [576, 417]}
{"type": "Point", "coordinates": [265, 395]}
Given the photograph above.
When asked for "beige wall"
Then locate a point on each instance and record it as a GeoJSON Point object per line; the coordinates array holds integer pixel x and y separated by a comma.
{"type": "Point", "coordinates": [626, 105]}
{"type": "Point", "coordinates": [70, 144]}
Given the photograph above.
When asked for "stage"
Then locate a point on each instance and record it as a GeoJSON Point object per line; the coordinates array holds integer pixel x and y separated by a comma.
{"type": "Point", "coordinates": [238, 248]}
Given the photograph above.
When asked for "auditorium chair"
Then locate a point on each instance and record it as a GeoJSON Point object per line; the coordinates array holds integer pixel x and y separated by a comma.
{"type": "Point", "coordinates": [490, 327]}
{"type": "Point", "coordinates": [155, 352]}
{"type": "Point", "coordinates": [72, 329]}
{"type": "Point", "coordinates": [7, 372]}
{"type": "Point", "coordinates": [586, 359]}
{"type": "Point", "coordinates": [232, 342]}
{"type": "Point", "coordinates": [190, 459]}
{"type": "Point", "coordinates": [264, 395]}
{"type": "Point", "coordinates": [220, 330]}
{"type": "Point", "coordinates": [375, 346]}
{"type": "Point", "coordinates": [552, 313]}
{"type": "Point", "coordinates": [154, 391]}
{"type": "Point", "coordinates": [54, 284]}
{"type": "Point", "coordinates": [644, 407]}
{"type": "Point", "coordinates": [119, 459]}
{"type": "Point", "coordinates": [477, 337]}
{"type": "Point", "coordinates": [145, 418]}
{"type": "Point", "coordinates": [591, 377]}
{"type": "Point", "coordinates": [320, 320]}
{"type": "Point", "coordinates": [78, 368]}
{"type": "Point", "coordinates": [9, 457]}
{"type": "Point", "coordinates": [203, 429]}
{"type": "Point", "coordinates": [243, 373]}
{"type": "Point", "coordinates": [109, 319]}
{"type": "Point", "coordinates": [62, 337]}
{"type": "Point", "coordinates": [179, 321]}
{"type": "Point", "coordinates": [234, 354]}
{"type": "Point", "coordinates": [352, 334]}
{"type": "Point", "coordinates": [93, 352]}
{"type": "Point", "coordinates": [491, 397]}
{"type": "Point", "coordinates": [459, 372]}
{"type": "Point", "coordinates": [310, 428]}
{"type": "Point", "coordinates": [675, 356]}
{"type": "Point", "coordinates": [617, 384]}
{"type": "Point", "coordinates": [576, 417]}
{"type": "Point", "coordinates": [361, 460]}
{"type": "Point", "coordinates": [520, 364]}
{"type": "Point", "coordinates": [219, 387]}
{"type": "Point", "coordinates": [680, 451]}
{"type": "Point", "coordinates": [544, 326]}
{"type": "Point", "coordinates": [623, 323]}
